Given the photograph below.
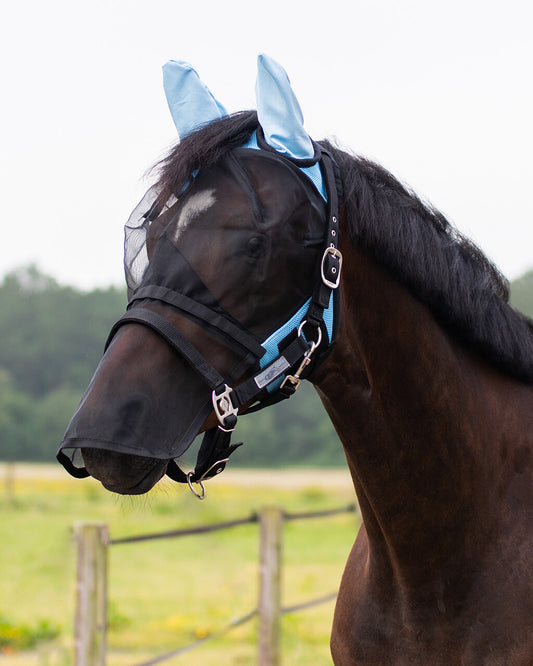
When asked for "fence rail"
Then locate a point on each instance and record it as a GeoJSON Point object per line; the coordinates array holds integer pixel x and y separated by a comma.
{"type": "Point", "coordinates": [91, 589]}
{"type": "Point", "coordinates": [188, 531]}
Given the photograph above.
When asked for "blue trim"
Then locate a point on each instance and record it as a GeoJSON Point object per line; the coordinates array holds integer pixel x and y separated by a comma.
{"type": "Point", "coordinates": [271, 344]}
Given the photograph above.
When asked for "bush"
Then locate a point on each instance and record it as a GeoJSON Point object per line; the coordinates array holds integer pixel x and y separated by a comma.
{"type": "Point", "coordinates": [24, 637]}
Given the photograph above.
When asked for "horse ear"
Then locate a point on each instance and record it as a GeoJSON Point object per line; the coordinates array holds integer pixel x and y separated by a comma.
{"type": "Point", "coordinates": [278, 111]}
{"type": "Point", "coordinates": [190, 101]}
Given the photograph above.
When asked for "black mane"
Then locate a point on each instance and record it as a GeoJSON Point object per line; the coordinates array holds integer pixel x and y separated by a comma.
{"type": "Point", "coordinates": [466, 293]}
{"type": "Point", "coordinates": [444, 270]}
{"type": "Point", "coordinates": [203, 148]}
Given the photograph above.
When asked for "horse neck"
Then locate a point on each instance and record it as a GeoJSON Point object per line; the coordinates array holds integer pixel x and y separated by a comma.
{"type": "Point", "coordinates": [419, 420]}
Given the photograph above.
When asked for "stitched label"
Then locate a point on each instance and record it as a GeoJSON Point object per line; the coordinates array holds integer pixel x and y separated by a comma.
{"type": "Point", "coordinates": [272, 372]}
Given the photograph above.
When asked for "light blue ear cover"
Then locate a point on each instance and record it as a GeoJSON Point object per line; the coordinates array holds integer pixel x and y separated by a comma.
{"type": "Point", "coordinates": [192, 105]}
{"type": "Point", "coordinates": [281, 118]}
{"type": "Point", "coordinates": [278, 111]}
{"type": "Point", "coordinates": [190, 101]}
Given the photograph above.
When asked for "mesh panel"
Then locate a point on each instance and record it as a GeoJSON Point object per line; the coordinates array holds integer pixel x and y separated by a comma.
{"type": "Point", "coordinates": [135, 235]}
{"type": "Point", "coordinates": [137, 227]}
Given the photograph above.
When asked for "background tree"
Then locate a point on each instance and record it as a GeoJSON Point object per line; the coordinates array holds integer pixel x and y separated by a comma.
{"type": "Point", "coordinates": [52, 340]}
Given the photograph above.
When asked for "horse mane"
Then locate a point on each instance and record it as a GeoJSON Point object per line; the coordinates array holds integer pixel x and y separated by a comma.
{"type": "Point", "coordinates": [466, 293]}
{"type": "Point", "coordinates": [447, 272]}
{"type": "Point", "coordinates": [202, 149]}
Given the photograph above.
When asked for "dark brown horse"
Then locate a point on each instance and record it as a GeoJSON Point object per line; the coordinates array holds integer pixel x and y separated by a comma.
{"type": "Point", "coordinates": [429, 387]}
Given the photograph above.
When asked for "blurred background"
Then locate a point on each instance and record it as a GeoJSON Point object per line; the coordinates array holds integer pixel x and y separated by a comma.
{"type": "Point", "coordinates": [440, 94]}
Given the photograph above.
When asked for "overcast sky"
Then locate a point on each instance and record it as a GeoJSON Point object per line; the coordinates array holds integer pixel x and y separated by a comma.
{"type": "Point", "coordinates": [439, 93]}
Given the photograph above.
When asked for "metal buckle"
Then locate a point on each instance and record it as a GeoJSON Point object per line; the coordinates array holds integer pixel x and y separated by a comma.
{"type": "Point", "coordinates": [337, 254]}
{"type": "Point", "coordinates": [224, 461]}
{"type": "Point", "coordinates": [223, 406]}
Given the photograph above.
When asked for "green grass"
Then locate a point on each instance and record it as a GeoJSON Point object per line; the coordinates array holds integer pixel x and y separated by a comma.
{"type": "Point", "coordinates": [166, 593]}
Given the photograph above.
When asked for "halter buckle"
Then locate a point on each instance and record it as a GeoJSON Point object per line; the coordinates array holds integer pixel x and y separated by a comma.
{"type": "Point", "coordinates": [336, 254]}
{"type": "Point", "coordinates": [223, 406]}
{"type": "Point", "coordinates": [219, 465]}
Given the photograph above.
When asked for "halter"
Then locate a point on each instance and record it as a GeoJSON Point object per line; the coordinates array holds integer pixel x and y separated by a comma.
{"type": "Point", "coordinates": [278, 365]}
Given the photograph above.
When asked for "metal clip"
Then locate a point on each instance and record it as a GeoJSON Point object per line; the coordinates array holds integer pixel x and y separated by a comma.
{"type": "Point", "coordinates": [337, 255]}
{"type": "Point", "coordinates": [295, 382]}
{"type": "Point", "coordinates": [295, 379]}
{"type": "Point", "coordinates": [223, 406]}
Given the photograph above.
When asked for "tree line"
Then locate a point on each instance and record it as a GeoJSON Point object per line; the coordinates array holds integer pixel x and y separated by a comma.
{"type": "Point", "coordinates": [52, 339]}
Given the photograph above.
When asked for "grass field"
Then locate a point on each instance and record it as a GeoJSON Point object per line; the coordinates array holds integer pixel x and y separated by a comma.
{"type": "Point", "coordinates": [164, 594]}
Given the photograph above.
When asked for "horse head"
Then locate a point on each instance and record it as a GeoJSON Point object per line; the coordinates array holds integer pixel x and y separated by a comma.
{"type": "Point", "coordinates": [231, 254]}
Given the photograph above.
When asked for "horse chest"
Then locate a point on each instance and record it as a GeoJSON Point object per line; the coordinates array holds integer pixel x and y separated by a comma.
{"type": "Point", "coordinates": [386, 624]}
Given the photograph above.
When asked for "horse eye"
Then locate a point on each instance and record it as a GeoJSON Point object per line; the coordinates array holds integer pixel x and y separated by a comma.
{"type": "Point", "coordinates": [256, 246]}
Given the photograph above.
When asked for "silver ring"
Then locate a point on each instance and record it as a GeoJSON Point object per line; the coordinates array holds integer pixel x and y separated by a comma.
{"type": "Point", "coordinates": [200, 495]}
{"type": "Point", "coordinates": [314, 344]}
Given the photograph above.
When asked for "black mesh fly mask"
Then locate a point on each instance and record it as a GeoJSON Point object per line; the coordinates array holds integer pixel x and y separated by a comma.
{"type": "Point", "coordinates": [278, 320]}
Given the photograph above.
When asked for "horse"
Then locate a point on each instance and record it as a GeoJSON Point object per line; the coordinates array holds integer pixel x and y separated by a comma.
{"type": "Point", "coordinates": [426, 374]}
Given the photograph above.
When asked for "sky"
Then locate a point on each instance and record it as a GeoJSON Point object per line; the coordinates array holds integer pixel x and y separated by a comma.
{"type": "Point", "coordinates": [440, 93]}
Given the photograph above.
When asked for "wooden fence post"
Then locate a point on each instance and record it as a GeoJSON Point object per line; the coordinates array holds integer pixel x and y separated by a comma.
{"type": "Point", "coordinates": [269, 607]}
{"type": "Point", "coordinates": [91, 594]}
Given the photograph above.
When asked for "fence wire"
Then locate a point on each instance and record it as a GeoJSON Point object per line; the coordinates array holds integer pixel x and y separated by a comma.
{"type": "Point", "coordinates": [195, 644]}
{"type": "Point", "coordinates": [253, 518]}
{"type": "Point", "coordinates": [232, 625]}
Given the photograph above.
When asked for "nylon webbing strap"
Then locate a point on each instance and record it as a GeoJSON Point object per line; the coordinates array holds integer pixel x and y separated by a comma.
{"type": "Point", "coordinates": [212, 457]}
{"type": "Point", "coordinates": [288, 357]}
{"type": "Point", "coordinates": [331, 260]}
{"type": "Point", "coordinates": [231, 332]}
{"type": "Point", "coordinates": [174, 338]}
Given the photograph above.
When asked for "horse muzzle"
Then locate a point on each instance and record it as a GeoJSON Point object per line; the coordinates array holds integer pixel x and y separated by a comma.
{"type": "Point", "coordinates": [128, 425]}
